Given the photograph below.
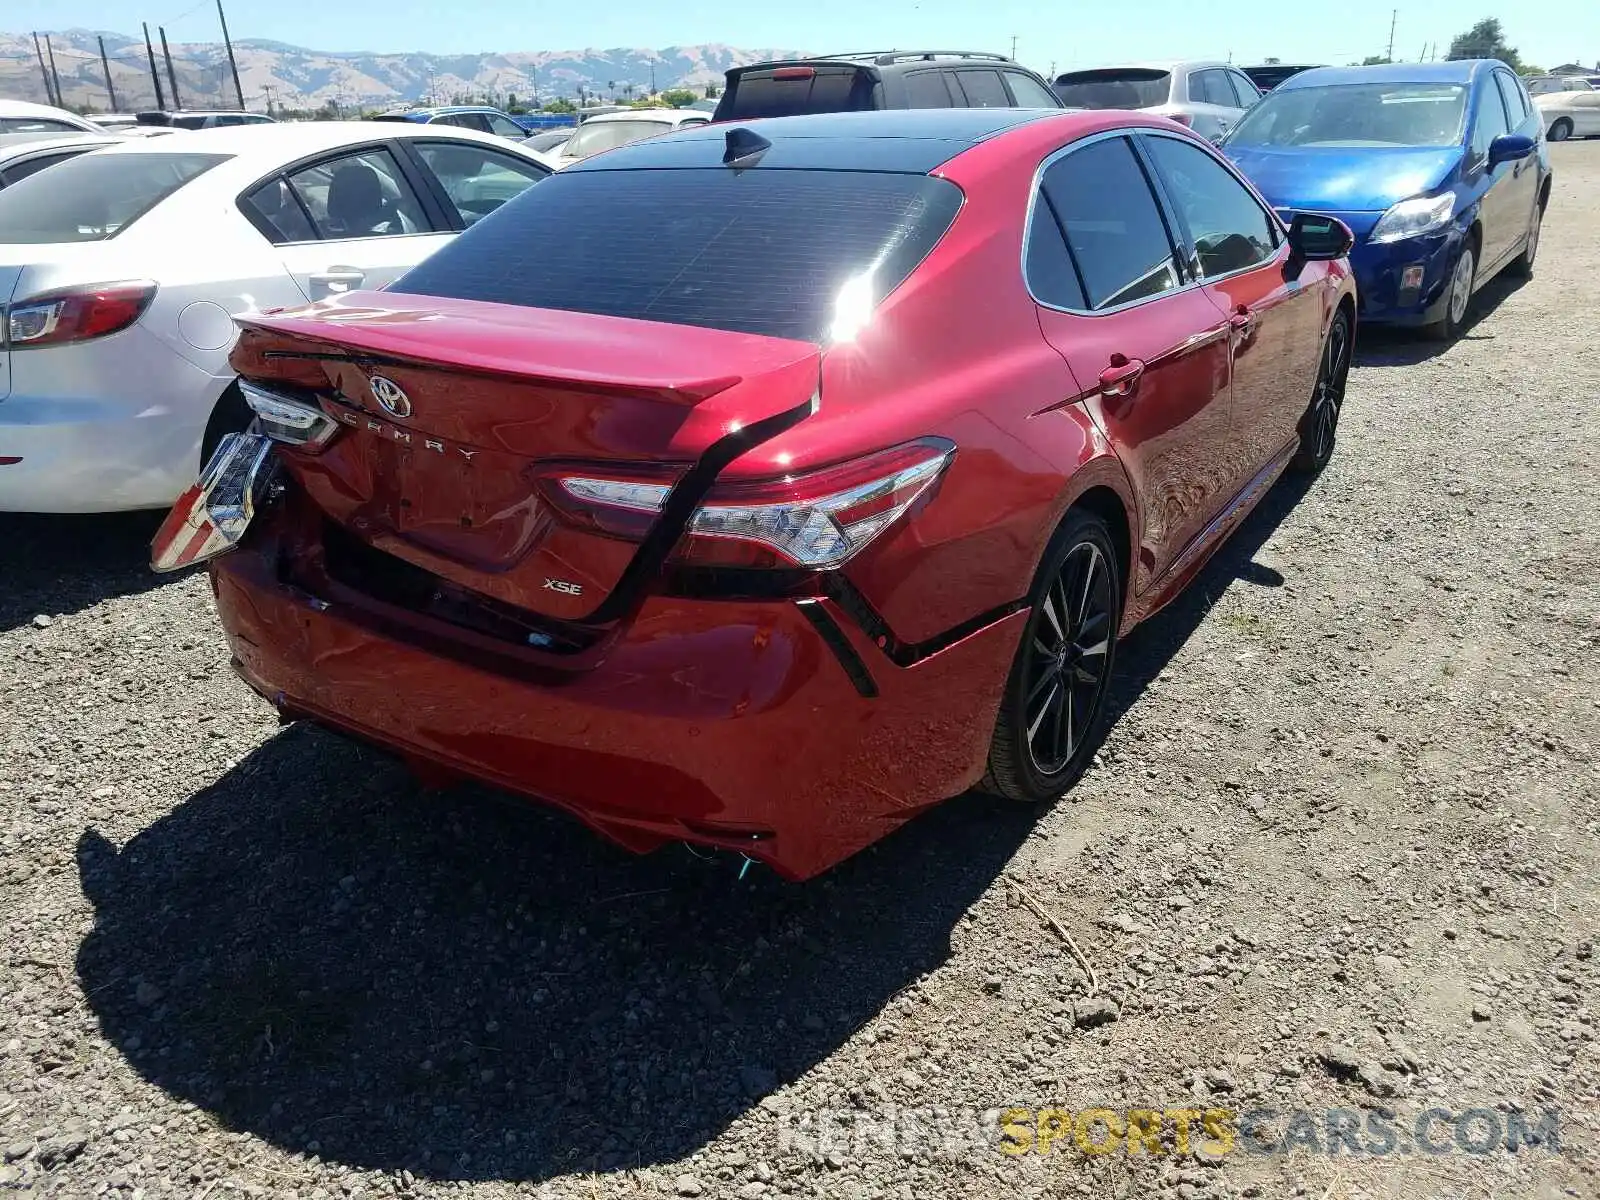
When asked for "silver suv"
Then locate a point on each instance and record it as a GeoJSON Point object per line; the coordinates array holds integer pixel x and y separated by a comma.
{"type": "Point", "coordinates": [1209, 97]}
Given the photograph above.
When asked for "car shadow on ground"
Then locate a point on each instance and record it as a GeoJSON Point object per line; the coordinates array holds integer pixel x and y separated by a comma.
{"type": "Point", "coordinates": [323, 954]}
{"type": "Point", "coordinates": [57, 565]}
{"type": "Point", "coordinates": [1389, 346]}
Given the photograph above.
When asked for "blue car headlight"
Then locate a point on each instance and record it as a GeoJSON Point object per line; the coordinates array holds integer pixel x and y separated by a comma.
{"type": "Point", "coordinates": [1413, 218]}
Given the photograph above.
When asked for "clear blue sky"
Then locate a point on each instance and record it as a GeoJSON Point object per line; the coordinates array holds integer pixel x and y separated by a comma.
{"type": "Point", "coordinates": [1334, 31]}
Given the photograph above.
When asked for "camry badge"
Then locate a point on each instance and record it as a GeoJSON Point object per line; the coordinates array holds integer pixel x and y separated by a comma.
{"type": "Point", "coordinates": [390, 397]}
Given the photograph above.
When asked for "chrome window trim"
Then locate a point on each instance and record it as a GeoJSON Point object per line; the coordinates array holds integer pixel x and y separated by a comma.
{"type": "Point", "coordinates": [1049, 160]}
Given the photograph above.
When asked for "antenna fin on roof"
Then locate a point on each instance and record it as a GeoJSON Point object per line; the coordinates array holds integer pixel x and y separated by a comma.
{"type": "Point", "coordinates": [743, 145]}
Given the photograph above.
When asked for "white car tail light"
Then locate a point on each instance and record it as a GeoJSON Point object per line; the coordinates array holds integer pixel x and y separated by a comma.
{"type": "Point", "coordinates": [286, 419]}
{"type": "Point", "coordinates": [76, 314]}
{"type": "Point", "coordinates": [815, 521]}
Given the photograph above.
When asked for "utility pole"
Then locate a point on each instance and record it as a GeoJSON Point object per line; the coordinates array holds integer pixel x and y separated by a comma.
{"type": "Point", "coordinates": [155, 76]}
{"type": "Point", "coordinates": [172, 75]}
{"type": "Point", "coordinates": [266, 92]}
{"type": "Point", "coordinates": [111, 88]}
{"type": "Point", "coordinates": [233, 63]}
{"type": "Point", "coordinates": [652, 79]}
{"type": "Point", "coordinates": [1394, 15]}
{"type": "Point", "coordinates": [44, 73]}
{"type": "Point", "coordinates": [54, 78]}
{"type": "Point", "coordinates": [1013, 47]}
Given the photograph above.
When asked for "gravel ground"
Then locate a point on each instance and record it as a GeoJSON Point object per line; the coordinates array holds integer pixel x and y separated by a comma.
{"type": "Point", "coordinates": [1340, 851]}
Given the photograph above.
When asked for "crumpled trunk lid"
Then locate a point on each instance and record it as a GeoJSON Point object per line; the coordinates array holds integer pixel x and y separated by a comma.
{"type": "Point", "coordinates": [460, 415]}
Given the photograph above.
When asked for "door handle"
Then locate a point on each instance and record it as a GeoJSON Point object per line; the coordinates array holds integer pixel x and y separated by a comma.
{"type": "Point", "coordinates": [1120, 380]}
{"type": "Point", "coordinates": [338, 279]}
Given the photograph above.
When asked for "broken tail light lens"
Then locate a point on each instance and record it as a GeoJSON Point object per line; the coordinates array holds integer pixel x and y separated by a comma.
{"type": "Point", "coordinates": [286, 419]}
{"type": "Point", "coordinates": [211, 517]}
{"type": "Point", "coordinates": [814, 521]}
{"type": "Point", "coordinates": [76, 314]}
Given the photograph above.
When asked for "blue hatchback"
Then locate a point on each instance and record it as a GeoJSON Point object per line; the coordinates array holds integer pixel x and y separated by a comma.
{"type": "Point", "coordinates": [1439, 169]}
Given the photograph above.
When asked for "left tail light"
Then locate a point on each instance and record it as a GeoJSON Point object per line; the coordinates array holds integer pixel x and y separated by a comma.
{"type": "Point", "coordinates": [76, 314]}
{"type": "Point", "coordinates": [211, 517]}
{"type": "Point", "coordinates": [815, 521]}
{"type": "Point", "coordinates": [287, 419]}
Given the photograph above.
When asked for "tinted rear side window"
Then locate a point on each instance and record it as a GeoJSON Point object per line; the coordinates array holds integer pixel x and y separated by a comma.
{"type": "Point", "coordinates": [762, 252]}
{"type": "Point", "coordinates": [1118, 238]}
{"type": "Point", "coordinates": [1114, 87]}
{"type": "Point", "coordinates": [825, 90]}
{"type": "Point", "coordinates": [983, 89]}
{"type": "Point", "coordinates": [94, 196]}
{"type": "Point", "coordinates": [926, 89]}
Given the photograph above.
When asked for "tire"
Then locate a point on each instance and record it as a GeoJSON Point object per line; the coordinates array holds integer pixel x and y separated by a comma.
{"type": "Point", "coordinates": [1463, 276]}
{"type": "Point", "coordinates": [231, 415]}
{"type": "Point", "coordinates": [1560, 131]}
{"type": "Point", "coordinates": [1052, 714]}
{"type": "Point", "coordinates": [1522, 266]}
{"type": "Point", "coordinates": [1319, 428]}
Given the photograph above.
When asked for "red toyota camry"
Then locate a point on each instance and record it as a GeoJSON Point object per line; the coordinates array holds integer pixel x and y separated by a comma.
{"type": "Point", "coordinates": [762, 485]}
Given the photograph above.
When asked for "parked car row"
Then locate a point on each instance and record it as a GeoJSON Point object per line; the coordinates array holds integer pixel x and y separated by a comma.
{"type": "Point", "coordinates": [121, 272]}
{"type": "Point", "coordinates": [686, 487]}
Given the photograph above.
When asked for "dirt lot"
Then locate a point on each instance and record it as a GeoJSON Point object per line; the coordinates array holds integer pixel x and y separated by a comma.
{"type": "Point", "coordinates": [1341, 852]}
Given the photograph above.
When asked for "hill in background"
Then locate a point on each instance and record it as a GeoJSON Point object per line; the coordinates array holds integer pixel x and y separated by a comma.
{"type": "Point", "coordinates": [294, 77]}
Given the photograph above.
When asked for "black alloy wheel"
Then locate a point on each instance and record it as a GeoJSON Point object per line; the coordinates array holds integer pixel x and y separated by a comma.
{"type": "Point", "coordinates": [1051, 715]}
{"type": "Point", "coordinates": [1319, 428]}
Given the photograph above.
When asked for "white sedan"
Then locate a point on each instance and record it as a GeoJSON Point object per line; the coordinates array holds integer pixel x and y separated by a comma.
{"type": "Point", "coordinates": [121, 272]}
{"type": "Point", "coordinates": [1569, 108]}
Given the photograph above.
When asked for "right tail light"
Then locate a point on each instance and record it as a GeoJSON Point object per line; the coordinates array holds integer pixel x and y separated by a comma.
{"type": "Point", "coordinates": [813, 521]}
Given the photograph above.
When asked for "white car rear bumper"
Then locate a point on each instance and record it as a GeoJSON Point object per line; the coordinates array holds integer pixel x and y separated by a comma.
{"type": "Point", "coordinates": [96, 455]}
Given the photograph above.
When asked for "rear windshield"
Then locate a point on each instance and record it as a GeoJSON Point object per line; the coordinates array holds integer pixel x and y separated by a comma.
{"type": "Point", "coordinates": [824, 90]}
{"type": "Point", "coordinates": [608, 135]}
{"type": "Point", "coordinates": [1356, 115]}
{"type": "Point", "coordinates": [1114, 87]}
{"type": "Point", "coordinates": [95, 196]}
{"type": "Point", "coordinates": [763, 252]}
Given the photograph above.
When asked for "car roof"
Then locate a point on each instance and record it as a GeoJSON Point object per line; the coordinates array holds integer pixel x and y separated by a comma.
{"type": "Point", "coordinates": [646, 114]}
{"type": "Point", "coordinates": [1153, 64]}
{"type": "Point", "coordinates": [443, 110]}
{"type": "Point", "coordinates": [914, 140]}
{"type": "Point", "coordinates": [1463, 71]}
{"type": "Point", "coordinates": [260, 149]}
{"type": "Point", "coordinates": [18, 145]}
{"type": "Point", "coordinates": [26, 108]}
{"type": "Point", "coordinates": [884, 59]}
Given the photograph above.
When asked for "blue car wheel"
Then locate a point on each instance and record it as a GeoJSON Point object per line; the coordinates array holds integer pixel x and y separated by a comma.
{"type": "Point", "coordinates": [1458, 295]}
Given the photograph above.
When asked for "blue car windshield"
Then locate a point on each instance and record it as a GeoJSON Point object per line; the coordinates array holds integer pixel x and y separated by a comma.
{"type": "Point", "coordinates": [1356, 114]}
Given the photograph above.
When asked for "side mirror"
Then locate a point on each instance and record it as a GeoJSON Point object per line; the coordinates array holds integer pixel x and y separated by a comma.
{"type": "Point", "coordinates": [1315, 238]}
{"type": "Point", "coordinates": [1509, 147]}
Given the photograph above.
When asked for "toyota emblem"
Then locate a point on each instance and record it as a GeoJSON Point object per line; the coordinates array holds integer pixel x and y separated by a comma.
{"type": "Point", "coordinates": [390, 397]}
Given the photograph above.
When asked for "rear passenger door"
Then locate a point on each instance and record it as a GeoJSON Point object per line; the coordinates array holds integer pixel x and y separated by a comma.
{"type": "Point", "coordinates": [1214, 105]}
{"type": "Point", "coordinates": [1237, 250]}
{"type": "Point", "coordinates": [352, 220]}
{"type": "Point", "coordinates": [1107, 273]}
